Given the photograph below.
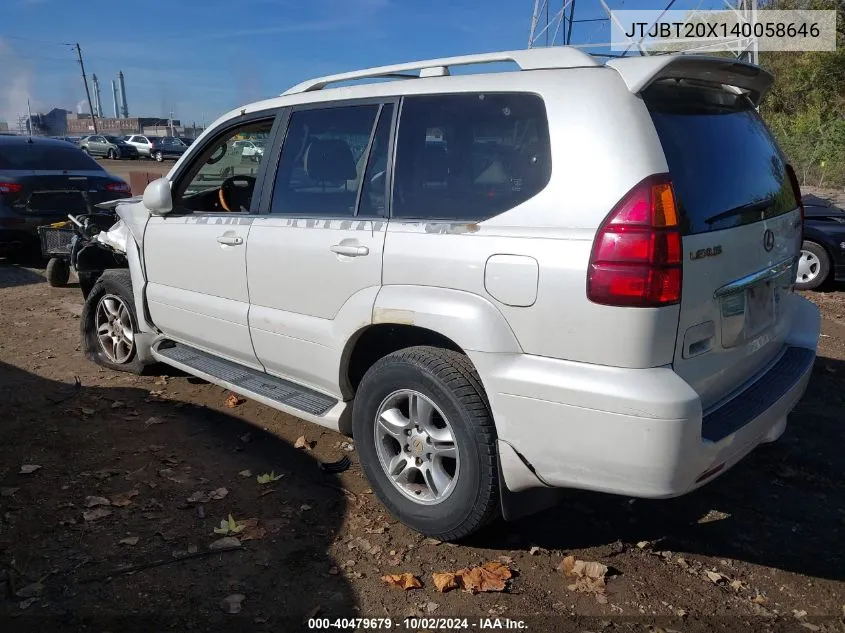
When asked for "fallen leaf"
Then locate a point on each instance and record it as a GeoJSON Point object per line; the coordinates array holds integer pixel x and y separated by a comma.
{"type": "Point", "coordinates": [245, 473]}
{"type": "Point", "coordinates": [87, 411]}
{"type": "Point", "coordinates": [715, 577]}
{"type": "Point", "coordinates": [759, 599]}
{"type": "Point", "coordinates": [117, 404]}
{"type": "Point", "coordinates": [218, 494]}
{"type": "Point", "coordinates": [30, 591]}
{"type": "Point", "coordinates": [26, 604]}
{"type": "Point", "coordinates": [232, 604]}
{"type": "Point", "coordinates": [643, 544]}
{"type": "Point", "coordinates": [200, 496]}
{"type": "Point", "coordinates": [402, 581]}
{"type": "Point", "coordinates": [124, 498]}
{"type": "Point", "coordinates": [534, 551]}
{"type": "Point", "coordinates": [305, 507]}
{"type": "Point", "coordinates": [489, 577]}
{"type": "Point", "coordinates": [444, 581]}
{"type": "Point", "coordinates": [431, 607]}
{"type": "Point", "coordinates": [225, 543]}
{"type": "Point", "coordinates": [798, 614]}
{"type": "Point", "coordinates": [91, 502]}
{"type": "Point", "coordinates": [228, 526]}
{"type": "Point", "coordinates": [301, 442]}
{"type": "Point", "coordinates": [267, 478]}
{"type": "Point", "coordinates": [250, 530]}
{"type": "Point", "coordinates": [129, 540]}
{"type": "Point", "coordinates": [95, 514]}
{"type": "Point", "coordinates": [737, 585]}
{"type": "Point", "coordinates": [810, 626]}
{"type": "Point", "coordinates": [8, 492]}
{"type": "Point", "coordinates": [589, 576]}
{"type": "Point", "coordinates": [234, 400]}
{"type": "Point", "coordinates": [334, 570]}
{"type": "Point", "coordinates": [28, 469]}
{"type": "Point", "coordinates": [153, 420]}
{"type": "Point", "coordinates": [506, 560]}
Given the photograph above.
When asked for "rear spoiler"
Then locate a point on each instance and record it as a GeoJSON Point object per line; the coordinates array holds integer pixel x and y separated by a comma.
{"type": "Point", "coordinates": [639, 73]}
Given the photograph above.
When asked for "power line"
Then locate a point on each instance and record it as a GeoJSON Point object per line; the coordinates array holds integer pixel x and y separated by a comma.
{"type": "Point", "coordinates": [29, 39]}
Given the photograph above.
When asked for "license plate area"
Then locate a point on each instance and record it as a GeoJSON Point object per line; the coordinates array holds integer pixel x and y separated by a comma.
{"type": "Point", "coordinates": [64, 201]}
{"type": "Point", "coordinates": [750, 311]}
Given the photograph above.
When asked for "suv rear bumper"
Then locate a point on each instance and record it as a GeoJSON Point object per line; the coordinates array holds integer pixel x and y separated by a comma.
{"type": "Point", "coordinates": [639, 432]}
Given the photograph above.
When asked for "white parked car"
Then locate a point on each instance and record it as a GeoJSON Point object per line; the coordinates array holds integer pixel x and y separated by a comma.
{"type": "Point", "coordinates": [574, 275]}
{"type": "Point", "coordinates": [250, 149]}
{"type": "Point", "coordinates": [141, 142]}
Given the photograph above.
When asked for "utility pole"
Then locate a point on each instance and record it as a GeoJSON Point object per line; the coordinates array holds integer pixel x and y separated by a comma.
{"type": "Point", "coordinates": [87, 89]}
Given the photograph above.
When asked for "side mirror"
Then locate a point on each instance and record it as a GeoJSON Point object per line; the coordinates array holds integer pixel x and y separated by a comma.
{"type": "Point", "coordinates": [157, 197]}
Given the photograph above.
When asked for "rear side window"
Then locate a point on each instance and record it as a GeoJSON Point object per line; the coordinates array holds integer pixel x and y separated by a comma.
{"type": "Point", "coordinates": [469, 156]}
{"type": "Point", "coordinates": [40, 156]}
{"type": "Point", "coordinates": [726, 168]}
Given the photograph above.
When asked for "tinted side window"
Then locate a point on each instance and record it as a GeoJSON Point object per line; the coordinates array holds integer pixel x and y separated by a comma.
{"type": "Point", "coordinates": [469, 156]}
{"type": "Point", "coordinates": [41, 156]}
{"type": "Point", "coordinates": [374, 189]}
{"type": "Point", "coordinates": [322, 161]}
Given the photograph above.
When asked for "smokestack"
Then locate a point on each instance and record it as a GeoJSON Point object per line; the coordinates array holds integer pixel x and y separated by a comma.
{"type": "Point", "coordinates": [114, 98]}
{"type": "Point", "coordinates": [122, 87]}
{"type": "Point", "coordinates": [98, 107]}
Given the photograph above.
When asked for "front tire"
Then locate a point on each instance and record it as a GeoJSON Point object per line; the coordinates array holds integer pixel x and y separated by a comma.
{"type": "Point", "coordinates": [57, 272]}
{"type": "Point", "coordinates": [427, 441]}
{"type": "Point", "coordinates": [813, 266]}
{"type": "Point", "coordinates": [159, 157]}
{"type": "Point", "coordinates": [112, 155]}
{"type": "Point", "coordinates": [109, 323]}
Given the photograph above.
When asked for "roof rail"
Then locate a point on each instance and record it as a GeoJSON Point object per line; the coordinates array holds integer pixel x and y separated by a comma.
{"type": "Point", "coordinates": [529, 59]}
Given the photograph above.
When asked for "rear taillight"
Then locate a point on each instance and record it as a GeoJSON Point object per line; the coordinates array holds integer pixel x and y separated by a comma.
{"type": "Point", "coordinates": [796, 189]}
{"type": "Point", "coordinates": [10, 187]}
{"type": "Point", "coordinates": [119, 187]}
{"type": "Point", "coordinates": [636, 257]}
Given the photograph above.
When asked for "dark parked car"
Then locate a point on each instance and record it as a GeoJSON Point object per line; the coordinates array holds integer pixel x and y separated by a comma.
{"type": "Point", "coordinates": [823, 250]}
{"type": "Point", "coordinates": [112, 147]}
{"type": "Point", "coordinates": [41, 181]}
{"type": "Point", "coordinates": [166, 147]}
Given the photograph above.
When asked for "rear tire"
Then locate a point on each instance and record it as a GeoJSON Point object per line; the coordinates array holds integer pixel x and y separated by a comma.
{"type": "Point", "coordinates": [109, 323]}
{"type": "Point", "coordinates": [159, 157]}
{"type": "Point", "coordinates": [813, 266]}
{"type": "Point", "coordinates": [57, 272]}
{"type": "Point", "coordinates": [112, 155]}
{"type": "Point", "coordinates": [464, 496]}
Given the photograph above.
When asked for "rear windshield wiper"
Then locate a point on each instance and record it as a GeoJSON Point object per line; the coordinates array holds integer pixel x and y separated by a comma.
{"type": "Point", "coordinates": [759, 206]}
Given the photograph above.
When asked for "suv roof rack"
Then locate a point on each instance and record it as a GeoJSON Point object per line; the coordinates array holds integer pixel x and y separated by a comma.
{"type": "Point", "coordinates": [530, 59]}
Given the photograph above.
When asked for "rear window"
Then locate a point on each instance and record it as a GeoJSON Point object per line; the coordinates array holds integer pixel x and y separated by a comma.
{"type": "Point", "coordinates": [41, 156]}
{"type": "Point", "coordinates": [726, 167]}
{"type": "Point", "coordinates": [470, 156]}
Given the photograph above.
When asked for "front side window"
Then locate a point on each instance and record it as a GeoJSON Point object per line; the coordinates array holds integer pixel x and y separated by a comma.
{"type": "Point", "coordinates": [469, 156]}
{"type": "Point", "coordinates": [323, 161]}
{"type": "Point", "coordinates": [221, 178]}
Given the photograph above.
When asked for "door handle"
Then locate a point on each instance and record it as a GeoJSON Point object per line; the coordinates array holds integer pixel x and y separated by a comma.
{"type": "Point", "coordinates": [230, 240]}
{"type": "Point", "coordinates": [350, 250]}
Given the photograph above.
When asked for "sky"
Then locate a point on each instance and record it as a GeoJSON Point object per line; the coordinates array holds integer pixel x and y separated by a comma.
{"type": "Point", "coordinates": [200, 58]}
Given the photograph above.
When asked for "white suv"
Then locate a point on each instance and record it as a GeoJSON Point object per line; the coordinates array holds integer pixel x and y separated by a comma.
{"type": "Point", "coordinates": [575, 275]}
{"type": "Point", "coordinates": [141, 142]}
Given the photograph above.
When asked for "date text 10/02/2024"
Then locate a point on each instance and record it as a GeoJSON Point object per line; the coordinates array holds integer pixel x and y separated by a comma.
{"type": "Point", "coordinates": [416, 623]}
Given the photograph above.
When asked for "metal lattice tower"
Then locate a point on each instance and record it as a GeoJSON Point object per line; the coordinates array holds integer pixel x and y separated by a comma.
{"type": "Point", "coordinates": [552, 23]}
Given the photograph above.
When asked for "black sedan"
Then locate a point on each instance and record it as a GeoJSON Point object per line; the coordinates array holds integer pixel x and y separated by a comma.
{"type": "Point", "coordinates": [823, 250]}
{"type": "Point", "coordinates": [41, 181]}
{"type": "Point", "coordinates": [166, 147]}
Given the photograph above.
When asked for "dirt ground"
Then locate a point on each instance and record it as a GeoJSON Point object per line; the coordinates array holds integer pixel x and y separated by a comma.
{"type": "Point", "coordinates": [138, 471]}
